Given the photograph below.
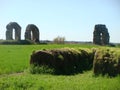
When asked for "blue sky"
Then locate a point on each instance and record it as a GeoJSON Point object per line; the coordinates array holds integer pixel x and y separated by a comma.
{"type": "Point", "coordinates": [72, 19]}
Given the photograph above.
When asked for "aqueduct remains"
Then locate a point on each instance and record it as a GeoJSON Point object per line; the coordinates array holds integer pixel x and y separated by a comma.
{"type": "Point", "coordinates": [101, 35]}
{"type": "Point", "coordinates": [31, 33]}
{"type": "Point", "coordinates": [9, 32]}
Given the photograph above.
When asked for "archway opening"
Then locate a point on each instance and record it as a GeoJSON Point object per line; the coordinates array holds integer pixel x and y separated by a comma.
{"type": "Point", "coordinates": [31, 35]}
{"type": "Point", "coordinates": [101, 39]}
{"type": "Point", "coordinates": [13, 34]}
{"type": "Point", "coordinates": [101, 36]}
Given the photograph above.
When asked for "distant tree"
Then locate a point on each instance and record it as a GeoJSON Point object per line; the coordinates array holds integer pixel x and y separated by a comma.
{"type": "Point", "coordinates": [59, 40]}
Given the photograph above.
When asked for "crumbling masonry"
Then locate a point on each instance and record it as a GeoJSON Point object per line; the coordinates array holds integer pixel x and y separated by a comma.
{"type": "Point", "coordinates": [101, 35]}
{"type": "Point", "coordinates": [9, 32]}
{"type": "Point", "coordinates": [32, 33]}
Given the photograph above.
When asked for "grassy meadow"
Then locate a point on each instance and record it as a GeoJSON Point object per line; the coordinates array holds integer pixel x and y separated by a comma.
{"type": "Point", "coordinates": [14, 72]}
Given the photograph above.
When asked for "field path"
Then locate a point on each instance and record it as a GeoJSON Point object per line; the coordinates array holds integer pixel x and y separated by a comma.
{"type": "Point", "coordinates": [12, 74]}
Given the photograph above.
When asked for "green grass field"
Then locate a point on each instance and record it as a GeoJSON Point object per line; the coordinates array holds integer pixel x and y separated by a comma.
{"type": "Point", "coordinates": [14, 72]}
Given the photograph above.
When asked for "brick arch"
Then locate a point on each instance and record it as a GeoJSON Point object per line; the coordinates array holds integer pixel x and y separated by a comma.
{"type": "Point", "coordinates": [9, 32]}
{"type": "Point", "coordinates": [32, 33]}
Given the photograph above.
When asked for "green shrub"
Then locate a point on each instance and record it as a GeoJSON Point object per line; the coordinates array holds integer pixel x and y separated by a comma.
{"type": "Point", "coordinates": [59, 40]}
{"type": "Point", "coordinates": [65, 60]}
{"type": "Point", "coordinates": [107, 62]}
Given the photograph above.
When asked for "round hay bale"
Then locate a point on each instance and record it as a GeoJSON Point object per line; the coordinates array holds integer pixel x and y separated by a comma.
{"type": "Point", "coordinates": [64, 61]}
{"type": "Point", "coordinates": [42, 58]}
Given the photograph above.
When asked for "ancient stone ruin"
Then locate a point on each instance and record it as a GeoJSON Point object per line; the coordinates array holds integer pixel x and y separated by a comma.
{"type": "Point", "coordinates": [9, 33]}
{"type": "Point", "coordinates": [32, 33]}
{"type": "Point", "coordinates": [101, 35]}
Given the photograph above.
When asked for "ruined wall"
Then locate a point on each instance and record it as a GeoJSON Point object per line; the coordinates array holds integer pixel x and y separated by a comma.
{"type": "Point", "coordinates": [9, 31]}
{"type": "Point", "coordinates": [101, 35]}
{"type": "Point", "coordinates": [32, 33]}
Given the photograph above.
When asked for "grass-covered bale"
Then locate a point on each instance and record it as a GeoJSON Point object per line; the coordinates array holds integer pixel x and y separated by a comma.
{"type": "Point", "coordinates": [41, 58]}
{"type": "Point", "coordinates": [107, 62]}
{"type": "Point", "coordinates": [65, 60]}
{"type": "Point", "coordinates": [87, 56]}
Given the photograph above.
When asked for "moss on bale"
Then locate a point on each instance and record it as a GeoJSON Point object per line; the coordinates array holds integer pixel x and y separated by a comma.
{"type": "Point", "coordinates": [71, 61]}
{"type": "Point", "coordinates": [107, 62]}
{"type": "Point", "coordinates": [65, 60]}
